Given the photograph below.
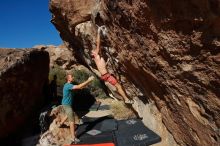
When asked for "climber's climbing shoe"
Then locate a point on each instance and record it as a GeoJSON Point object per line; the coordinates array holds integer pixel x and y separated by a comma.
{"type": "Point", "coordinates": [129, 101]}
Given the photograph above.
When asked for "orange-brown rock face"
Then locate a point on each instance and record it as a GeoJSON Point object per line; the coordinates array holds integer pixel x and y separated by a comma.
{"type": "Point", "coordinates": [22, 76]}
{"type": "Point", "coordinates": [165, 52]}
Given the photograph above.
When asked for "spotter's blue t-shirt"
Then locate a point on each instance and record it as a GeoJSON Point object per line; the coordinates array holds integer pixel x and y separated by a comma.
{"type": "Point", "coordinates": [67, 94]}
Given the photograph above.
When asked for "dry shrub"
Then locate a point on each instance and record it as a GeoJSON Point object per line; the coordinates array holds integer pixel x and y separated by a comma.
{"type": "Point", "coordinates": [118, 109]}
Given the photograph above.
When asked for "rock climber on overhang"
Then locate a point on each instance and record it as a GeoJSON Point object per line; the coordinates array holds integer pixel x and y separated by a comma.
{"type": "Point", "coordinates": [101, 66]}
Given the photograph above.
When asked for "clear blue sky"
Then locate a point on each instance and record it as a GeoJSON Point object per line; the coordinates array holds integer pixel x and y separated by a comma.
{"type": "Point", "coordinates": [25, 23]}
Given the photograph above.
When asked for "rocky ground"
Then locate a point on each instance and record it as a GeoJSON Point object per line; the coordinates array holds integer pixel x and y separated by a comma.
{"type": "Point", "coordinates": [59, 136]}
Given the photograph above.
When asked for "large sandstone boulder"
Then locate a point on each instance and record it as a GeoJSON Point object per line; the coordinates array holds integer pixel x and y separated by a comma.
{"type": "Point", "coordinates": [53, 134]}
{"type": "Point", "coordinates": [59, 56]}
{"type": "Point", "coordinates": [23, 73]}
{"type": "Point", "coordinates": [165, 53]}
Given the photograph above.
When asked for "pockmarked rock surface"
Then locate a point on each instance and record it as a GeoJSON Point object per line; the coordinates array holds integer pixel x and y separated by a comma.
{"type": "Point", "coordinates": [165, 53]}
{"type": "Point", "coordinates": [23, 73]}
{"type": "Point", "coordinates": [55, 135]}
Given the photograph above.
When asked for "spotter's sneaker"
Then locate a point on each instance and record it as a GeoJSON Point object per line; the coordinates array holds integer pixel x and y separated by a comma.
{"type": "Point", "coordinates": [75, 140]}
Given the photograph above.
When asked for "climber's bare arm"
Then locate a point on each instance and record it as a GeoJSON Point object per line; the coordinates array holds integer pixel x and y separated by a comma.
{"type": "Point", "coordinates": [97, 50]}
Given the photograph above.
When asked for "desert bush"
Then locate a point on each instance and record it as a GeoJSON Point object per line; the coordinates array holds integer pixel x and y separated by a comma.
{"type": "Point", "coordinates": [60, 73]}
{"type": "Point", "coordinates": [120, 111]}
{"type": "Point", "coordinates": [95, 87]}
